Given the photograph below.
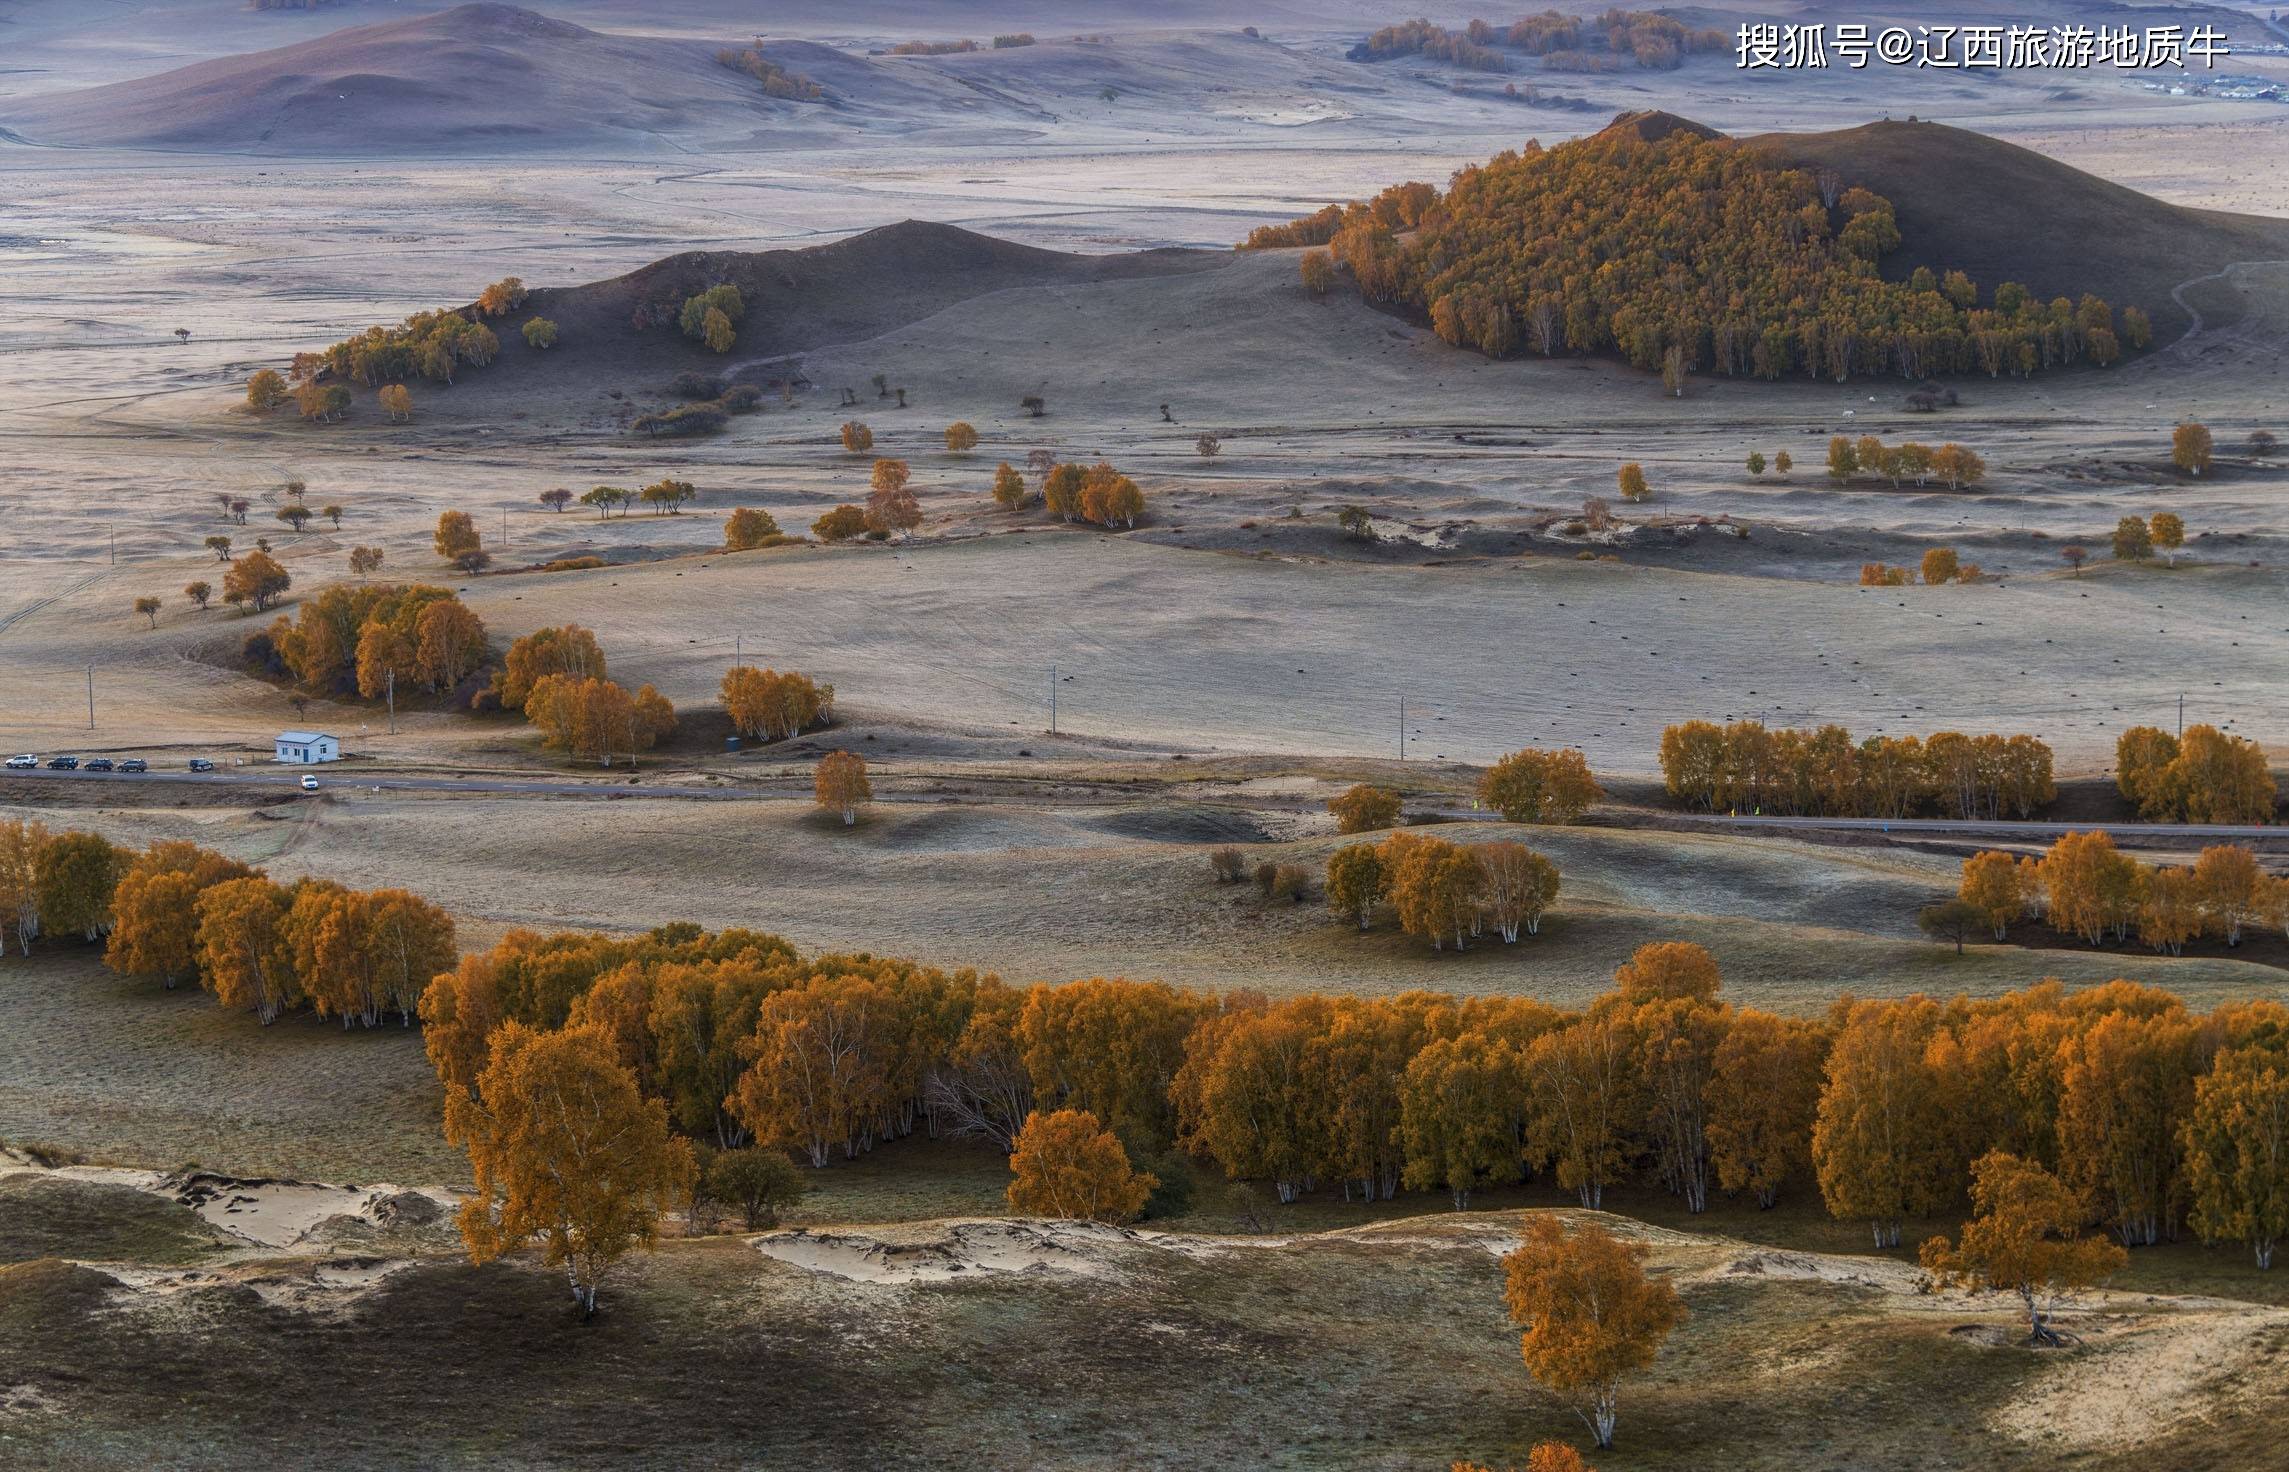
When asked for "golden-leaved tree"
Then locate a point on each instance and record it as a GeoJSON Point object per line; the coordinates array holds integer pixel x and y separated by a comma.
{"type": "Point", "coordinates": [2024, 1238]}
{"type": "Point", "coordinates": [1591, 1316]}
{"type": "Point", "coordinates": [564, 1148]}
{"type": "Point", "coordinates": [1067, 1165]}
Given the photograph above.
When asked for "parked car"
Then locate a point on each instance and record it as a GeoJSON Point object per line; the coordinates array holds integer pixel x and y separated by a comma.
{"type": "Point", "coordinates": [63, 764]}
{"type": "Point", "coordinates": [97, 764]}
{"type": "Point", "coordinates": [19, 763]}
{"type": "Point", "coordinates": [135, 764]}
{"type": "Point", "coordinates": [309, 784]}
{"type": "Point", "coordinates": [201, 764]}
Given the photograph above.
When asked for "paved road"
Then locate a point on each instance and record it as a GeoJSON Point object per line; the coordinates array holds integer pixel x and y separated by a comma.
{"type": "Point", "coordinates": [335, 779]}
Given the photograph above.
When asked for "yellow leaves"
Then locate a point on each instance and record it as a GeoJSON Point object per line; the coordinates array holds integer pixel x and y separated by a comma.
{"type": "Point", "coordinates": [564, 1148]}
{"type": "Point", "coordinates": [748, 528]}
{"type": "Point", "coordinates": [586, 717]}
{"type": "Point", "coordinates": [770, 706]}
{"type": "Point", "coordinates": [1364, 808]}
{"type": "Point", "coordinates": [1068, 1166]}
{"type": "Point", "coordinates": [1590, 1314]}
{"type": "Point", "coordinates": [961, 437]}
{"type": "Point", "coordinates": [840, 784]}
{"type": "Point", "coordinates": [2024, 1237]}
{"type": "Point", "coordinates": [856, 437]}
{"type": "Point", "coordinates": [1535, 786]}
{"type": "Point", "coordinates": [567, 650]}
{"type": "Point", "coordinates": [1668, 971]}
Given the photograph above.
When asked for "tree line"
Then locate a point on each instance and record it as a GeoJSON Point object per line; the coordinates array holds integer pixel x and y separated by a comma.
{"type": "Point", "coordinates": [1688, 254]}
{"type": "Point", "coordinates": [1795, 772]}
{"type": "Point", "coordinates": [175, 912]}
{"type": "Point", "coordinates": [2203, 776]}
{"type": "Point", "coordinates": [2140, 1104]}
{"type": "Point", "coordinates": [2084, 887]}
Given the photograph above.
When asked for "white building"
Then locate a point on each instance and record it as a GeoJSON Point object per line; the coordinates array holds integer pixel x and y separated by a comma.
{"type": "Point", "coordinates": [305, 747]}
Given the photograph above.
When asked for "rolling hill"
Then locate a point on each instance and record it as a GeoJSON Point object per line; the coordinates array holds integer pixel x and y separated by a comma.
{"type": "Point", "coordinates": [2000, 212]}
{"type": "Point", "coordinates": [485, 75]}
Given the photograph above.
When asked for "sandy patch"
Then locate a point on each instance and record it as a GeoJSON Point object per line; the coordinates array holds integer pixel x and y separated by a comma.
{"type": "Point", "coordinates": [2149, 1375]}
{"type": "Point", "coordinates": [329, 1287]}
{"type": "Point", "coordinates": [262, 1213]}
{"type": "Point", "coordinates": [944, 1252]}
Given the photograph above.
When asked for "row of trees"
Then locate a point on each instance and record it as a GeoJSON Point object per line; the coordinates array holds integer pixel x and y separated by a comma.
{"type": "Point", "coordinates": [1951, 464]}
{"type": "Point", "coordinates": [2139, 1105]}
{"type": "Point", "coordinates": [1744, 765]}
{"type": "Point", "coordinates": [2084, 887]}
{"type": "Point", "coordinates": [1441, 890]}
{"type": "Point", "coordinates": [1939, 565]}
{"type": "Point", "coordinates": [766, 705]}
{"type": "Point", "coordinates": [1577, 249]}
{"type": "Point", "coordinates": [175, 912]}
{"type": "Point", "coordinates": [2203, 776]}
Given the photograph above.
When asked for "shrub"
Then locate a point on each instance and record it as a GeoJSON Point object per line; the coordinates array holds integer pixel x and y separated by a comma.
{"type": "Point", "coordinates": [1228, 864]}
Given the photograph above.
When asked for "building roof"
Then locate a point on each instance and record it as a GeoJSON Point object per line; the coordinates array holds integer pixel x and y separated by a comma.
{"type": "Point", "coordinates": [304, 738]}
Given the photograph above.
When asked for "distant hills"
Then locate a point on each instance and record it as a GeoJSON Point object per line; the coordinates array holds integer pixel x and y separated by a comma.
{"type": "Point", "coordinates": [492, 75]}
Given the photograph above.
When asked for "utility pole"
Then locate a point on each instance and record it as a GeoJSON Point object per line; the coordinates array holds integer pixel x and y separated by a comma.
{"type": "Point", "coordinates": [2181, 715]}
{"type": "Point", "coordinates": [504, 528]}
{"type": "Point", "coordinates": [389, 682]}
{"type": "Point", "coordinates": [738, 650]}
{"type": "Point", "coordinates": [91, 697]}
{"type": "Point", "coordinates": [1052, 699]}
{"type": "Point", "coordinates": [115, 549]}
{"type": "Point", "coordinates": [1402, 728]}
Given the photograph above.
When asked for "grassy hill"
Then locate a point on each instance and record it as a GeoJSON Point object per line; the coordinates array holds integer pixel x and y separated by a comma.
{"type": "Point", "coordinates": [2000, 212]}
{"type": "Point", "coordinates": [484, 75]}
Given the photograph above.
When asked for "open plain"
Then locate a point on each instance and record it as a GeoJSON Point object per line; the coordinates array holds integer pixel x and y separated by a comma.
{"type": "Point", "coordinates": [1061, 721]}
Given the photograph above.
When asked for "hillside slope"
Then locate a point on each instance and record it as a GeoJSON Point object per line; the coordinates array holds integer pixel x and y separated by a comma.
{"type": "Point", "coordinates": [2000, 212]}
{"type": "Point", "coordinates": [485, 74]}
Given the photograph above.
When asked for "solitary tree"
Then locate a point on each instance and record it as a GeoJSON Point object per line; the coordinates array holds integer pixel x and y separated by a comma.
{"type": "Point", "coordinates": [149, 608]}
{"type": "Point", "coordinates": [555, 498]}
{"type": "Point", "coordinates": [265, 391]}
{"type": "Point", "coordinates": [748, 528]}
{"type": "Point", "coordinates": [332, 514]}
{"type": "Point", "coordinates": [1953, 920]}
{"type": "Point", "coordinates": [1008, 487]}
{"type": "Point", "coordinates": [2167, 530]}
{"type": "Point", "coordinates": [396, 402]}
{"type": "Point", "coordinates": [255, 579]}
{"type": "Point", "coordinates": [220, 546]}
{"type": "Point", "coordinates": [2132, 542]}
{"type": "Point", "coordinates": [856, 437]}
{"type": "Point", "coordinates": [1591, 1316]}
{"type": "Point", "coordinates": [840, 524]}
{"type": "Point", "coordinates": [456, 535]}
{"type": "Point", "coordinates": [840, 784]}
{"type": "Point", "coordinates": [1535, 786]}
{"type": "Point", "coordinates": [1756, 462]}
{"type": "Point", "coordinates": [1782, 464]}
{"type": "Point", "coordinates": [364, 560]}
{"type": "Point", "coordinates": [540, 333]}
{"type": "Point", "coordinates": [1364, 808]}
{"type": "Point", "coordinates": [1208, 446]}
{"type": "Point", "coordinates": [2076, 555]}
{"type": "Point", "coordinates": [1356, 523]}
{"type": "Point", "coordinates": [199, 593]}
{"type": "Point", "coordinates": [564, 1147]}
{"type": "Point", "coordinates": [760, 1182]}
{"type": "Point", "coordinates": [1068, 1166]}
{"type": "Point", "coordinates": [294, 514]}
{"type": "Point", "coordinates": [961, 437]}
{"type": "Point", "coordinates": [2024, 1237]}
{"type": "Point", "coordinates": [1631, 479]}
{"type": "Point", "coordinates": [1318, 272]}
{"type": "Point", "coordinates": [2190, 448]}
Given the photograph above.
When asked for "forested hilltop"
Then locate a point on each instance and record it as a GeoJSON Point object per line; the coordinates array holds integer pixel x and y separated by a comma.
{"type": "Point", "coordinates": [1687, 251]}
